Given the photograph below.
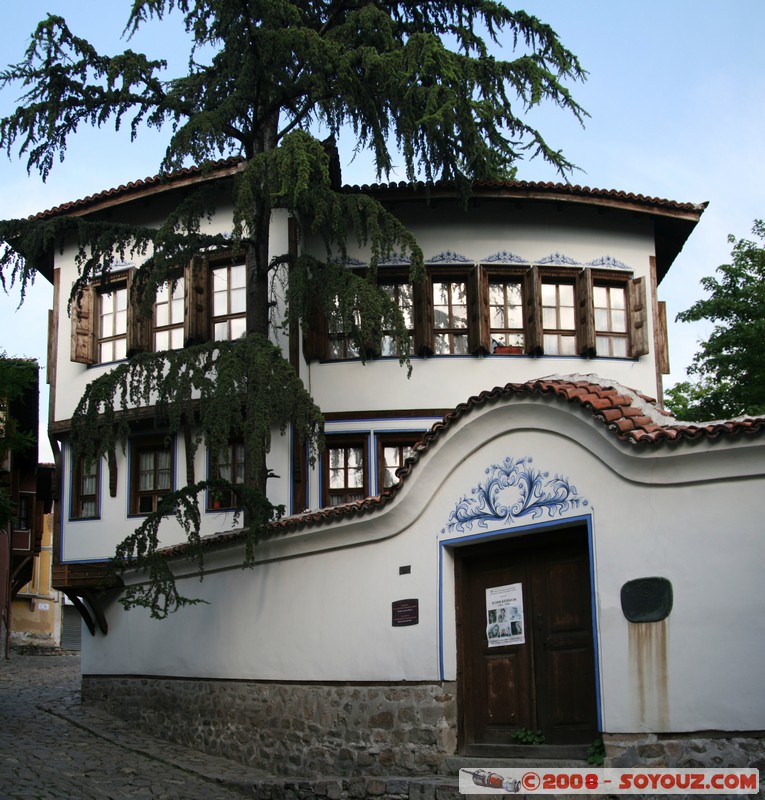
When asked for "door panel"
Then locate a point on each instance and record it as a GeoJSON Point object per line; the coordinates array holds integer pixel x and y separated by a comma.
{"type": "Point", "coordinates": [547, 682]}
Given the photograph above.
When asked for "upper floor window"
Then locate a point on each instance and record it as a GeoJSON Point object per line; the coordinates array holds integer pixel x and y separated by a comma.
{"type": "Point", "coordinates": [226, 465]}
{"type": "Point", "coordinates": [85, 484]}
{"type": "Point", "coordinates": [341, 342]}
{"type": "Point", "coordinates": [112, 324]}
{"type": "Point", "coordinates": [345, 471]}
{"type": "Point", "coordinates": [151, 475]}
{"type": "Point", "coordinates": [168, 316]}
{"type": "Point", "coordinates": [229, 301]}
{"type": "Point", "coordinates": [450, 317]}
{"type": "Point", "coordinates": [558, 323]}
{"type": "Point", "coordinates": [402, 295]}
{"type": "Point", "coordinates": [24, 510]}
{"type": "Point", "coordinates": [506, 315]}
{"type": "Point", "coordinates": [611, 331]}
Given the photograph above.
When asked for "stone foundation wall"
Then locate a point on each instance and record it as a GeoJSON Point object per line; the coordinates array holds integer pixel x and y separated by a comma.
{"type": "Point", "coordinates": [294, 729]}
{"type": "Point", "coordinates": [686, 750]}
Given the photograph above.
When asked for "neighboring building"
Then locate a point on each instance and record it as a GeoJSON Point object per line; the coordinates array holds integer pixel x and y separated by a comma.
{"type": "Point", "coordinates": [28, 486]}
{"type": "Point", "coordinates": [38, 610]}
{"type": "Point", "coordinates": [524, 568]}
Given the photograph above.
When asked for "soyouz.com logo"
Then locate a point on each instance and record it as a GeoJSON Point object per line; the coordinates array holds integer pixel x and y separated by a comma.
{"type": "Point", "coordinates": [639, 780]}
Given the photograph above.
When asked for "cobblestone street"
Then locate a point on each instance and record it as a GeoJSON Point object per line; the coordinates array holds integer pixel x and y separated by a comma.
{"type": "Point", "coordinates": [87, 754]}
{"type": "Point", "coordinates": [54, 748]}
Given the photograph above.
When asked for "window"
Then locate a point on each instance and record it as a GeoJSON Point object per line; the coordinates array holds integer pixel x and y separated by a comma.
{"type": "Point", "coordinates": [168, 316]}
{"type": "Point", "coordinates": [151, 474]}
{"type": "Point", "coordinates": [341, 343]}
{"type": "Point", "coordinates": [402, 295]}
{"type": "Point", "coordinates": [112, 325]}
{"type": "Point", "coordinates": [611, 331]}
{"type": "Point", "coordinates": [229, 306]}
{"type": "Point", "coordinates": [23, 517]}
{"type": "Point", "coordinates": [85, 483]}
{"type": "Point", "coordinates": [392, 452]}
{"type": "Point", "coordinates": [506, 316]}
{"type": "Point", "coordinates": [227, 465]}
{"type": "Point", "coordinates": [558, 319]}
{"type": "Point", "coordinates": [450, 317]}
{"type": "Point", "coordinates": [345, 471]}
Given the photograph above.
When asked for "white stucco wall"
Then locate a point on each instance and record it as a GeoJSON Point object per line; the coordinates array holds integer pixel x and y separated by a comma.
{"type": "Point", "coordinates": [317, 606]}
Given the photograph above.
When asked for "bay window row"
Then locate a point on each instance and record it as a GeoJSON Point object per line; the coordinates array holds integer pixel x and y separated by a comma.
{"type": "Point", "coordinates": [479, 311]}
{"type": "Point", "coordinates": [151, 474]}
{"type": "Point", "coordinates": [453, 312]}
{"type": "Point", "coordinates": [347, 473]}
{"type": "Point", "coordinates": [200, 305]}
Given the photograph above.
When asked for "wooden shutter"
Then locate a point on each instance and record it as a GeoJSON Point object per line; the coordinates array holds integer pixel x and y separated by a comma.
{"type": "Point", "coordinates": [84, 327]}
{"type": "Point", "coordinates": [112, 461]}
{"type": "Point", "coordinates": [139, 324]}
{"type": "Point", "coordinates": [479, 340]}
{"type": "Point", "coordinates": [316, 335]}
{"type": "Point", "coordinates": [585, 315]}
{"type": "Point", "coordinates": [638, 318]}
{"type": "Point", "coordinates": [422, 296]}
{"type": "Point", "coordinates": [532, 312]}
{"type": "Point", "coordinates": [196, 304]}
{"type": "Point", "coordinates": [662, 343]}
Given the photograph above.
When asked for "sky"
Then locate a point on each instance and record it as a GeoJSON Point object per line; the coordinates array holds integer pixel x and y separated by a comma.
{"type": "Point", "coordinates": [674, 93]}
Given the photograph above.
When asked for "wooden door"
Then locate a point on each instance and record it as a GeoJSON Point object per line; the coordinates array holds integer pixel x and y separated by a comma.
{"type": "Point", "coordinates": [545, 682]}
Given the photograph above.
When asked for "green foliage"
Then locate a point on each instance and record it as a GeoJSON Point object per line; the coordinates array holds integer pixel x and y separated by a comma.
{"type": "Point", "coordinates": [204, 386]}
{"type": "Point", "coordinates": [141, 550]}
{"type": "Point", "coordinates": [527, 736]}
{"type": "Point", "coordinates": [596, 753]}
{"type": "Point", "coordinates": [413, 81]}
{"type": "Point", "coordinates": [17, 376]}
{"type": "Point", "coordinates": [730, 364]}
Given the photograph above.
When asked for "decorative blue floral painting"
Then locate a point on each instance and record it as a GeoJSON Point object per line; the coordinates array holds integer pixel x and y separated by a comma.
{"type": "Point", "coordinates": [514, 490]}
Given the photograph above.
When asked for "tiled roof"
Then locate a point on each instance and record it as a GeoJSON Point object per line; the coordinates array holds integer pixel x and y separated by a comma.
{"type": "Point", "coordinates": [537, 188]}
{"type": "Point", "coordinates": [229, 166]}
{"type": "Point", "coordinates": [629, 416]}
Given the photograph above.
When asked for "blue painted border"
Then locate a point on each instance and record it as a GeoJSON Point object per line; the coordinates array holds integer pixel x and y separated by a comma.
{"type": "Point", "coordinates": [487, 535]}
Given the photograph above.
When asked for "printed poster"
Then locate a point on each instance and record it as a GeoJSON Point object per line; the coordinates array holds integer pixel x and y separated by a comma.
{"type": "Point", "coordinates": [504, 615]}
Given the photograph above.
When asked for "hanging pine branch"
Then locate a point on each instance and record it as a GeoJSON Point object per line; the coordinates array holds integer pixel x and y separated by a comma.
{"type": "Point", "coordinates": [416, 83]}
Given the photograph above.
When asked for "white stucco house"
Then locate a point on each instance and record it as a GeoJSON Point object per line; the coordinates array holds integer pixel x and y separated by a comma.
{"type": "Point", "coordinates": [556, 553]}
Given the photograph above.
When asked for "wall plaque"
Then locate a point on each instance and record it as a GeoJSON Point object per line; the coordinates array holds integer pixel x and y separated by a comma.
{"type": "Point", "coordinates": [647, 599]}
{"type": "Point", "coordinates": [406, 612]}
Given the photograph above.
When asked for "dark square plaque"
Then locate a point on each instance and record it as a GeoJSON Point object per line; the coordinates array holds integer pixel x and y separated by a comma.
{"type": "Point", "coordinates": [406, 612]}
{"type": "Point", "coordinates": [647, 599]}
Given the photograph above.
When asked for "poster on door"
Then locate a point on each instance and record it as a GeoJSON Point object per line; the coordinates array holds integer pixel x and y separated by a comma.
{"type": "Point", "coordinates": [504, 615]}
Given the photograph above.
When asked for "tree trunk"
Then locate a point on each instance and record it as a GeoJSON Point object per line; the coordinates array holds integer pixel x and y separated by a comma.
{"type": "Point", "coordinates": [258, 301]}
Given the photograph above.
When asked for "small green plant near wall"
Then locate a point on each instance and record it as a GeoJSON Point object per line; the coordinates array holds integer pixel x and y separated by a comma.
{"type": "Point", "coordinates": [525, 736]}
{"type": "Point", "coordinates": [596, 753]}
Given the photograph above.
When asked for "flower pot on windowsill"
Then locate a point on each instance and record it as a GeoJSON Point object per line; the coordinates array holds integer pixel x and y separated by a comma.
{"type": "Point", "coordinates": [508, 350]}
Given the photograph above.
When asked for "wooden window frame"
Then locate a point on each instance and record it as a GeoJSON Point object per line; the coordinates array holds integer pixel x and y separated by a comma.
{"type": "Point", "coordinates": [450, 277]}
{"type": "Point", "coordinates": [503, 275]}
{"type": "Point", "coordinates": [399, 440]}
{"type": "Point", "coordinates": [154, 444]}
{"type": "Point", "coordinates": [79, 496]}
{"type": "Point", "coordinates": [346, 442]}
{"type": "Point", "coordinates": [609, 333]}
{"type": "Point", "coordinates": [113, 289]}
{"type": "Point", "coordinates": [225, 500]}
{"type": "Point", "coordinates": [558, 330]}
{"type": "Point", "coordinates": [227, 262]}
{"type": "Point", "coordinates": [172, 325]}
{"type": "Point", "coordinates": [396, 281]}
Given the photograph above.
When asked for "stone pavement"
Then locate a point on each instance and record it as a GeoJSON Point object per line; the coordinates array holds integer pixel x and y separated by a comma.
{"type": "Point", "coordinates": [54, 748]}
